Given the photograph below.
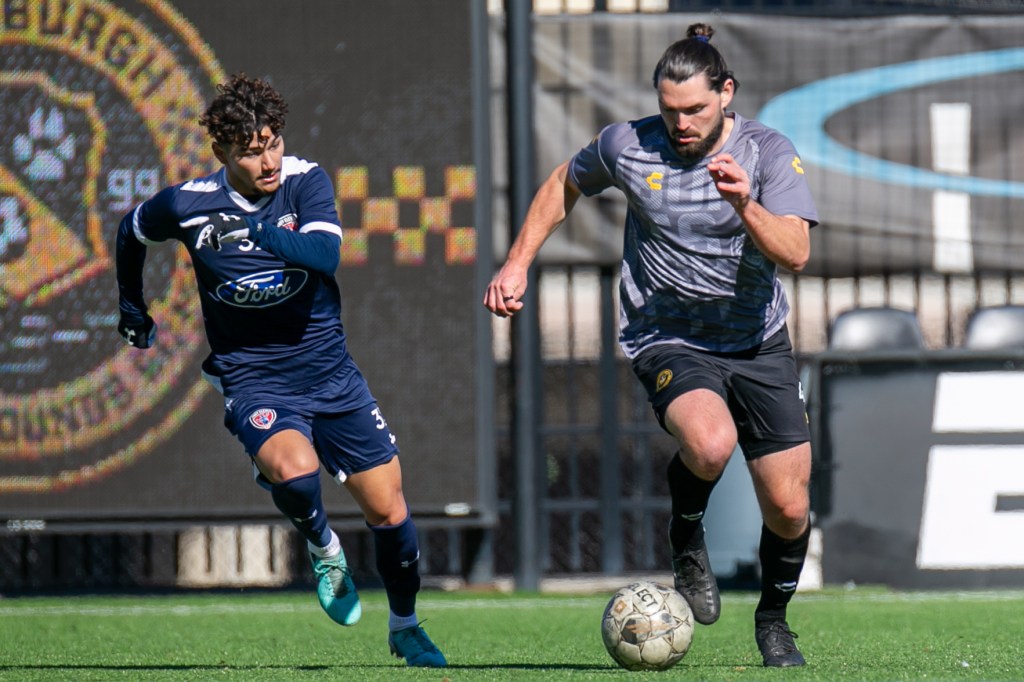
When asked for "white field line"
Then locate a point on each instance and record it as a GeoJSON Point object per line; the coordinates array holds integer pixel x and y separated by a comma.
{"type": "Point", "coordinates": [221, 609]}
{"type": "Point", "coordinates": [944, 596]}
{"type": "Point", "coordinates": [427, 604]}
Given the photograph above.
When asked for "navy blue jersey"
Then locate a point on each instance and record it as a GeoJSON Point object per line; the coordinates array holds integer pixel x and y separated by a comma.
{"type": "Point", "coordinates": [270, 324]}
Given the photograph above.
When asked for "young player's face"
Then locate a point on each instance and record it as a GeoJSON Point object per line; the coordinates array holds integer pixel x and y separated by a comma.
{"type": "Point", "coordinates": [694, 115]}
{"type": "Point", "coordinates": [254, 169]}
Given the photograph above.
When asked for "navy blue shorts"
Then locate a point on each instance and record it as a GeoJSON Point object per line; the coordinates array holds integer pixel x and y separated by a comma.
{"type": "Point", "coordinates": [761, 386]}
{"type": "Point", "coordinates": [347, 439]}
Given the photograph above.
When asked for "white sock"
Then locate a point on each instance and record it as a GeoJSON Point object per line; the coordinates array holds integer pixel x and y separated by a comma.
{"type": "Point", "coordinates": [333, 548]}
{"type": "Point", "coordinates": [396, 622]}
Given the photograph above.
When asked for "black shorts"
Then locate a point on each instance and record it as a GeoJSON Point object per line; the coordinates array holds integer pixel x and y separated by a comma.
{"type": "Point", "coordinates": [761, 386]}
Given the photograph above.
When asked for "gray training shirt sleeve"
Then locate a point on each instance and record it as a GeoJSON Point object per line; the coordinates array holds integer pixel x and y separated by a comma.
{"type": "Point", "coordinates": [592, 168]}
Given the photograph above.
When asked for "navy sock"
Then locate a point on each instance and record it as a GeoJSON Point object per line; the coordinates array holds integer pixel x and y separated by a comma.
{"type": "Point", "coordinates": [299, 499]}
{"type": "Point", "coordinates": [690, 495]}
{"type": "Point", "coordinates": [781, 563]}
{"type": "Point", "coordinates": [398, 554]}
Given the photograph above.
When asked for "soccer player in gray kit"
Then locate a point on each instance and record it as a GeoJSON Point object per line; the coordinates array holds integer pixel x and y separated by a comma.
{"type": "Point", "coordinates": [716, 204]}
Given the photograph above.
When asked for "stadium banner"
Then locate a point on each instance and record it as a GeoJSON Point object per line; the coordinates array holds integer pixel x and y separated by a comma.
{"type": "Point", "coordinates": [926, 488]}
{"type": "Point", "coordinates": [99, 108]}
{"type": "Point", "coordinates": [907, 127]}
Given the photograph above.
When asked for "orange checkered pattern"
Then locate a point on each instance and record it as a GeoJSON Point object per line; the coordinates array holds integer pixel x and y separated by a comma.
{"type": "Point", "coordinates": [385, 215]}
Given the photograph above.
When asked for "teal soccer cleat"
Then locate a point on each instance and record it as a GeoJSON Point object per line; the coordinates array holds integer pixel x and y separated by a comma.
{"type": "Point", "coordinates": [415, 647]}
{"type": "Point", "coordinates": [336, 590]}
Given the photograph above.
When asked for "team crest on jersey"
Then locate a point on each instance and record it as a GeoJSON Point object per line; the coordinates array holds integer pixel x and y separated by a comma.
{"type": "Point", "coordinates": [664, 378]}
{"type": "Point", "coordinates": [72, 166]}
{"type": "Point", "coordinates": [263, 418]}
{"type": "Point", "coordinates": [289, 221]}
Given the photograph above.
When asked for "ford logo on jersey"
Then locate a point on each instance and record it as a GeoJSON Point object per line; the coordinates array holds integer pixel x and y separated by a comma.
{"type": "Point", "coordinates": [262, 289]}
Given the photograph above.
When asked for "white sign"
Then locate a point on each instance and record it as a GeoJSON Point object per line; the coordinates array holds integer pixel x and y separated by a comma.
{"type": "Point", "coordinates": [961, 526]}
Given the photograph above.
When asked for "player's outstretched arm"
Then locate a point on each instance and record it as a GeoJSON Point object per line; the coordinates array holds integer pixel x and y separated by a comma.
{"type": "Point", "coordinates": [135, 325]}
{"type": "Point", "coordinates": [549, 208]}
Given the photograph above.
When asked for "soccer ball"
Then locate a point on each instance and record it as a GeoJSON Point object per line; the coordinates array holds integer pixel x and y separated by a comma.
{"type": "Point", "coordinates": [647, 626]}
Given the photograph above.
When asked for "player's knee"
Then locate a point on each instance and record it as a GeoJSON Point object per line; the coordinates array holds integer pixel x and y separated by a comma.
{"type": "Point", "coordinates": [796, 516]}
{"type": "Point", "coordinates": [708, 470]}
{"type": "Point", "coordinates": [282, 471]}
{"type": "Point", "coordinates": [386, 517]}
{"type": "Point", "coordinates": [706, 455]}
{"type": "Point", "coordinates": [286, 455]}
{"type": "Point", "coordinates": [386, 510]}
{"type": "Point", "coordinates": [788, 519]}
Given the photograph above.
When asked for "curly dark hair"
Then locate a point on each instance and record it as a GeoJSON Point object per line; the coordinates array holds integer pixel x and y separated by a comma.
{"type": "Point", "coordinates": [692, 55]}
{"type": "Point", "coordinates": [243, 108]}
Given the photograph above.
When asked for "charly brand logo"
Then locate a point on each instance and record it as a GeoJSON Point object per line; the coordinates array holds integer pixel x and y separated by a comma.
{"type": "Point", "coordinates": [263, 289]}
{"type": "Point", "coordinates": [99, 111]}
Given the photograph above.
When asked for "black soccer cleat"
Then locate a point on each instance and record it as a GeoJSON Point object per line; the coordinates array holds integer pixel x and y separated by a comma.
{"type": "Point", "coordinates": [695, 581]}
{"type": "Point", "coordinates": [777, 645]}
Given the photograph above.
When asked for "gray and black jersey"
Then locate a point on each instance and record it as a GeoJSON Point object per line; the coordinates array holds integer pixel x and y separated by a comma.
{"type": "Point", "coordinates": [691, 274]}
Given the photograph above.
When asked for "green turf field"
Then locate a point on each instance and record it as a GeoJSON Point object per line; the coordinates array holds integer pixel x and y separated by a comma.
{"type": "Point", "coordinates": [845, 635]}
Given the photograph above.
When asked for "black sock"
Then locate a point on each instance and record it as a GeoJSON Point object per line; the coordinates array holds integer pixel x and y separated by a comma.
{"type": "Point", "coordinates": [781, 563]}
{"type": "Point", "coordinates": [690, 495]}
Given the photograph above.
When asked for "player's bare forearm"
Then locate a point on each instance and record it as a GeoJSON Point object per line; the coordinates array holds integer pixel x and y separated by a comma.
{"type": "Point", "coordinates": [549, 208]}
{"type": "Point", "coordinates": [552, 203]}
{"type": "Point", "coordinates": [785, 239]}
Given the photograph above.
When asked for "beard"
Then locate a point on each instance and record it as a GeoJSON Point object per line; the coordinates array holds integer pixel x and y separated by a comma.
{"type": "Point", "coordinates": [693, 152]}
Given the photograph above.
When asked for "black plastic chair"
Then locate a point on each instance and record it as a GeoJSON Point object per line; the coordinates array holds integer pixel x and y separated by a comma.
{"type": "Point", "coordinates": [880, 328]}
{"type": "Point", "coordinates": [995, 328]}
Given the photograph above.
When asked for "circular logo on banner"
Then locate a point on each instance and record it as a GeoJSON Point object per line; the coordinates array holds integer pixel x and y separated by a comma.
{"type": "Point", "coordinates": [98, 109]}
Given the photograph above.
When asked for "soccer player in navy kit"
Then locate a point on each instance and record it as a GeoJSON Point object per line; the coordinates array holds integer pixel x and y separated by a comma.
{"type": "Point", "coordinates": [264, 237]}
{"type": "Point", "coordinates": [716, 203]}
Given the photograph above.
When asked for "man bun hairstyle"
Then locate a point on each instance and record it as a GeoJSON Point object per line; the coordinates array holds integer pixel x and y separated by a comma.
{"type": "Point", "coordinates": [243, 107]}
{"type": "Point", "coordinates": [694, 55]}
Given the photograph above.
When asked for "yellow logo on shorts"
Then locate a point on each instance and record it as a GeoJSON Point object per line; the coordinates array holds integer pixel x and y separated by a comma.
{"type": "Point", "coordinates": [664, 377]}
